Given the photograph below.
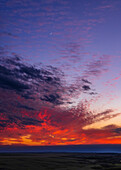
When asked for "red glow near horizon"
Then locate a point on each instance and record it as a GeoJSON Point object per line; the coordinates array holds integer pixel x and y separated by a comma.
{"type": "Point", "coordinates": [54, 130]}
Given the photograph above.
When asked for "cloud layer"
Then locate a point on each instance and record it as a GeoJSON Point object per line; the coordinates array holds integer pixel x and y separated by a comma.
{"type": "Point", "coordinates": [37, 99]}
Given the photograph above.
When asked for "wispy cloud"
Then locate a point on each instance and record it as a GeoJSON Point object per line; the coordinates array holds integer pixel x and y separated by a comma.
{"type": "Point", "coordinates": [97, 67]}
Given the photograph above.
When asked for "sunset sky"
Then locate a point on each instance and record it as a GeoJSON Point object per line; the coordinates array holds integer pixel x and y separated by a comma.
{"type": "Point", "coordinates": [60, 72]}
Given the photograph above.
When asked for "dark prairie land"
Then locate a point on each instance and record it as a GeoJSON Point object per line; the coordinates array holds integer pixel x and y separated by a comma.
{"type": "Point", "coordinates": [60, 161]}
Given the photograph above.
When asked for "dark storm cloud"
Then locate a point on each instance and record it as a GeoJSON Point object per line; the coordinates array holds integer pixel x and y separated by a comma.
{"type": "Point", "coordinates": [27, 80]}
{"type": "Point", "coordinates": [45, 83]}
{"type": "Point", "coordinates": [2, 110]}
{"type": "Point", "coordinates": [24, 107]}
{"type": "Point", "coordinates": [11, 120]}
{"type": "Point", "coordinates": [86, 81]}
{"type": "Point", "coordinates": [8, 83]}
{"type": "Point", "coordinates": [52, 98]}
{"type": "Point", "coordinates": [86, 88]}
{"type": "Point", "coordinates": [31, 121]}
{"type": "Point", "coordinates": [92, 93]}
{"type": "Point", "coordinates": [118, 131]}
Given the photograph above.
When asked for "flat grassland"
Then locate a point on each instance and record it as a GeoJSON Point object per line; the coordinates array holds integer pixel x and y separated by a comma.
{"type": "Point", "coordinates": [60, 161]}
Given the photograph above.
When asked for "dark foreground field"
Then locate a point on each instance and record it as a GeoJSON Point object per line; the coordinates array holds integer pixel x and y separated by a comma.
{"type": "Point", "coordinates": [59, 161]}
